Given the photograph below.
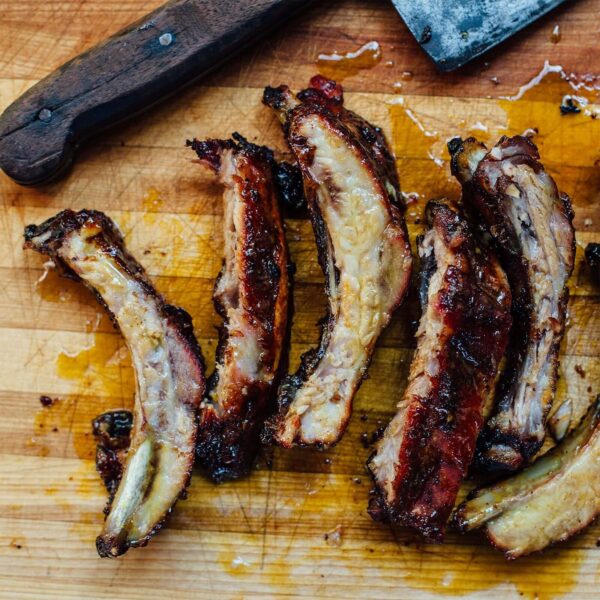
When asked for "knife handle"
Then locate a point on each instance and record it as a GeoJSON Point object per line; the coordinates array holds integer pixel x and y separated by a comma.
{"type": "Point", "coordinates": [125, 74]}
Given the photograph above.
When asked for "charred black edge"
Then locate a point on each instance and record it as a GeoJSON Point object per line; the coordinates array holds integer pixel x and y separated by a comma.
{"type": "Point", "coordinates": [511, 259]}
{"type": "Point", "coordinates": [111, 241]}
{"type": "Point", "coordinates": [112, 433]}
{"type": "Point", "coordinates": [210, 150]}
{"type": "Point", "coordinates": [275, 97]}
{"type": "Point", "coordinates": [592, 255]}
{"type": "Point", "coordinates": [369, 142]}
{"type": "Point", "coordinates": [288, 179]}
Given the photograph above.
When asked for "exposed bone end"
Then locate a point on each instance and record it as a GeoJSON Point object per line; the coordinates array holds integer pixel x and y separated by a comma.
{"type": "Point", "coordinates": [465, 156]}
{"type": "Point", "coordinates": [210, 152]}
{"type": "Point", "coordinates": [110, 546]}
{"type": "Point", "coordinates": [281, 100]}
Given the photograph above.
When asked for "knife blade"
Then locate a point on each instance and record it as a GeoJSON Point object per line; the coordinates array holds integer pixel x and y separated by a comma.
{"type": "Point", "coordinates": [453, 32]}
{"type": "Point", "coordinates": [124, 75]}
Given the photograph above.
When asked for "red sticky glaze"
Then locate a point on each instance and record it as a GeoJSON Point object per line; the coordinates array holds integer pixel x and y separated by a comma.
{"type": "Point", "coordinates": [324, 92]}
{"type": "Point", "coordinates": [230, 424]}
{"type": "Point", "coordinates": [441, 429]}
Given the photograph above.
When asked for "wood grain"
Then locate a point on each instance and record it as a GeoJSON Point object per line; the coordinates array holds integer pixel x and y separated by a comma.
{"type": "Point", "coordinates": [263, 537]}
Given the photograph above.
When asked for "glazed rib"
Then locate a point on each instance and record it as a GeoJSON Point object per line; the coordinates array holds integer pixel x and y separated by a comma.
{"type": "Point", "coordinates": [167, 365]}
{"type": "Point", "coordinates": [426, 450]}
{"type": "Point", "coordinates": [548, 502]}
{"type": "Point", "coordinates": [251, 294]}
{"type": "Point", "coordinates": [352, 192]}
{"type": "Point", "coordinates": [530, 222]}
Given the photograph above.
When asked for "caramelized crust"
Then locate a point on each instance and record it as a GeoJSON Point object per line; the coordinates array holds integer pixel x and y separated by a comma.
{"type": "Point", "coordinates": [251, 294]}
{"type": "Point", "coordinates": [112, 431]}
{"type": "Point", "coordinates": [352, 192]}
{"type": "Point", "coordinates": [530, 222]}
{"type": "Point", "coordinates": [426, 450]}
{"type": "Point", "coordinates": [167, 365]}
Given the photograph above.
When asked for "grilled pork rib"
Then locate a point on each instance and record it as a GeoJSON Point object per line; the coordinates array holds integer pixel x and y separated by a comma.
{"type": "Point", "coordinates": [352, 192]}
{"type": "Point", "coordinates": [548, 502]}
{"type": "Point", "coordinates": [167, 364]}
{"type": "Point", "coordinates": [426, 450]}
{"type": "Point", "coordinates": [530, 222]}
{"type": "Point", "coordinates": [251, 294]}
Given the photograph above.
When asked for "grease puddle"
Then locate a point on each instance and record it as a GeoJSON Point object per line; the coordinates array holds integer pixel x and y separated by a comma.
{"type": "Point", "coordinates": [568, 143]}
{"type": "Point", "coordinates": [486, 569]}
{"type": "Point", "coordinates": [100, 370]}
{"type": "Point", "coordinates": [339, 66]}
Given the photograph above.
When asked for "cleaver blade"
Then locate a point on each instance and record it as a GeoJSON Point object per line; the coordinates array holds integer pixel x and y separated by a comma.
{"type": "Point", "coordinates": [453, 32]}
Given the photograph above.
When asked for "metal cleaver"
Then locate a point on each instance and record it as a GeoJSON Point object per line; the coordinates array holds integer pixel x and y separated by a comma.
{"type": "Point", "coordinates": [453, 32]}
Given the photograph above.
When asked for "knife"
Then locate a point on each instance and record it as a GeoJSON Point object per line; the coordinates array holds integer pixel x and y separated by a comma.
{"type": "Point", "coordinates": [453, 32]}
{"type": "Point", "coordinates": [125, 74]}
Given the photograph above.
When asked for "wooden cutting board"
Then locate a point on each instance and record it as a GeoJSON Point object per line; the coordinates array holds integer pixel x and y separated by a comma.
{"type": "Point", "coordinates": [298, 527]}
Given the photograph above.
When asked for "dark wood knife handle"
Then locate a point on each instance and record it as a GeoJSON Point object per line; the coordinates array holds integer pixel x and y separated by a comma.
{"type": "Point", "coordinates": [130, 71]}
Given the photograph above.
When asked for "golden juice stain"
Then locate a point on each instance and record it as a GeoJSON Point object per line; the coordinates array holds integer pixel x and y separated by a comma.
{"type": "Point", "coordinates": [568, 143]}
{"type": "Point", "coordinates": [546, 576]}
{"type": "Point", "coordinates": [245, 565]}
{"type": "Point", "coordinates": [100, 371]}
{"type": "Point", "coordinates": [234, 563]}
{"type": "Point", "coordinates": [152, 200]}
{"type": "Point", "coordinates": [339, 66]}
{"type": "Point", "coordinates": [54, 288]}
{"type": "Point", "coordinates": [418, 144]}
{"type": "Point", "coordinates": [103, 368]}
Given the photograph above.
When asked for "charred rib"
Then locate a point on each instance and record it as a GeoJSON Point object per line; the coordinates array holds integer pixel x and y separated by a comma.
{"type": "Point", "coordinates": [530, 222]}
{"type": "Point", "coordinates": [426, 450]}
{"type": "Point", "coordinates": [352, 192]}
{"type": "Point", "coordinates": [251, 294]}
{"type": "Point", "coordinates": [112, 431]}
{"type": "Point", "coordinates": [167, 364]}
{"type": "Point", "coordinates": [592, 255]}
{"type": "Point", "coordinates": [548, 502]}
